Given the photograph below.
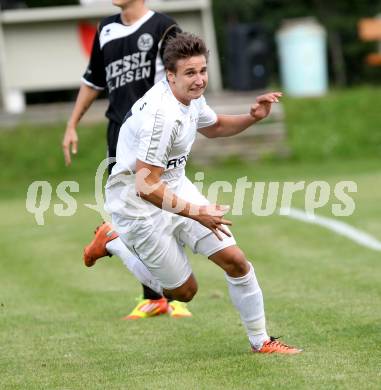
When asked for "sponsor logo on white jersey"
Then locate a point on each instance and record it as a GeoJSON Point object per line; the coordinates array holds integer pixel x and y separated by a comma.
{"type": "Point", "coordinates": [177, 162]}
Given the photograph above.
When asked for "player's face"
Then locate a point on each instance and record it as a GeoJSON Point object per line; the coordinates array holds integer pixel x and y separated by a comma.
{"type": "Point", "coordinates": [190, 79]}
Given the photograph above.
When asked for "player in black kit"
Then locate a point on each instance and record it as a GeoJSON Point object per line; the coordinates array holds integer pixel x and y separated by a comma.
{"type": "Point", "coordinates": [126, 60]}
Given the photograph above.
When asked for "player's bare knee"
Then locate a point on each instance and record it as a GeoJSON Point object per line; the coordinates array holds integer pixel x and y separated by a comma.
{"type": "Point", "coordinates": [238, 264]}
{"type": "Point", "coordinates": [186, 294]}
{"type": "Point", "coordinates": [190, 291]}
{"type": "Point", "coordinates": [232, 260]}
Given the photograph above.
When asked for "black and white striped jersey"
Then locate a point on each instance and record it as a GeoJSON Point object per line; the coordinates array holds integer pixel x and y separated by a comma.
{"type": "Point", "coordinates": [126, 60]}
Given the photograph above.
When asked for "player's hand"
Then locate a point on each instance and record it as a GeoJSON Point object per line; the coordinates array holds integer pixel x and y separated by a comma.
{"type": "Point", "coordinates": [262, 106]}
{"type": "Point", "coordinates": [70, 143]}
{"type": "Point", "coordinates": [211, 216]}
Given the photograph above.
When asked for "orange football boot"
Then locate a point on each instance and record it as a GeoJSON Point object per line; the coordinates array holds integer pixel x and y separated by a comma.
{"type": "Point", "coordinates": [97, 248]}
{"type": "Point", "coordinates": [275, 346]}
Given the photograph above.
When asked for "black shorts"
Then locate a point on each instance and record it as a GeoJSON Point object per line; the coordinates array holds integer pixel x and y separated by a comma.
{"type": "Point", "coordinates": [112, 140]}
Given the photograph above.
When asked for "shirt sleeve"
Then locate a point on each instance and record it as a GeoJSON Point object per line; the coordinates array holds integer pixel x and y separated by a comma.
{"type": "Point", "coordinates": [156, 139]}
{"type": "Point", "coordinates": [95, 74]}
{"type": "Point", "coordinates": [207, 116]}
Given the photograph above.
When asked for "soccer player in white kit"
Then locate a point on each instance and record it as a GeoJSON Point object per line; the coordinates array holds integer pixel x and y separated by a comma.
{"type": "Point", "coordinates": [156, 210]}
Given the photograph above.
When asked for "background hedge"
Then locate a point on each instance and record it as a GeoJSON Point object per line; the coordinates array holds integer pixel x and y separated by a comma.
{"type": "Point", "coordinates": [339, 17]}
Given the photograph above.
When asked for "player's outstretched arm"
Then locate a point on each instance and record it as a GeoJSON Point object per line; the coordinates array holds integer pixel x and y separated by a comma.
{"type": "Point", "coordinates": [229, 125]}
{"type": "Point", "coordinates": [151, 188]}
{"type": "Point", "coordinates": [85, 98]}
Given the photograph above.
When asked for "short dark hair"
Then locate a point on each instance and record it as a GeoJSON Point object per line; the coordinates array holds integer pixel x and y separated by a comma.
{"type": "Point", "coordinates": [181, 46]}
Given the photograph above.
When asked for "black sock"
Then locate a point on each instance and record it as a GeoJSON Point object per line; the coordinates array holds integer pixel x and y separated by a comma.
{"type": "Point", "coordinates": [150, 294]}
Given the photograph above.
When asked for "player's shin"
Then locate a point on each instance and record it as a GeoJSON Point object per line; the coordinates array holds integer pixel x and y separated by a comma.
{"type": "Point", "coordinates": [140, 271]}
{"type": "Point", "coordinates": [246, 296]}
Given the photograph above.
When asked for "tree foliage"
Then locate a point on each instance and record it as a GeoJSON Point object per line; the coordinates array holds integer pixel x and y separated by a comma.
{"type": "Point", "coordinates": [339, 17]}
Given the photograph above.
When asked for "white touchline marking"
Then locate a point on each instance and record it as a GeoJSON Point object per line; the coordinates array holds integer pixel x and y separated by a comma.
{"type": "Point", "coordinates": [341, 228]}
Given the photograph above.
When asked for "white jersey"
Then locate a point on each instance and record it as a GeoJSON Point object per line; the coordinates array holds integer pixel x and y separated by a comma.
{"type": "Point", "coordinates": [160, 131]}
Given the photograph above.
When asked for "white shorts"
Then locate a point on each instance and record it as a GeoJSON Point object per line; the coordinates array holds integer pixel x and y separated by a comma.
{"type": "Point", "coordinates": [159, 241]}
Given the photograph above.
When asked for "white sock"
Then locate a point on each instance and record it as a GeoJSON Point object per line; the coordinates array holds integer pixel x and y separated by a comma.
{"type": "Point", "coordinates": [116, 247]}
{"type": "Point", "coordinates": [246, 296]}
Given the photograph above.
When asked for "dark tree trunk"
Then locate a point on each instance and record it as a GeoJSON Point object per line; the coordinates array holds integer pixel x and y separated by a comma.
{"type": "Point", "coordinates": [335, 47]}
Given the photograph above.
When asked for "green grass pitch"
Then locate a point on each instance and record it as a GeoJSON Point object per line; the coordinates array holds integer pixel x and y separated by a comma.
{"type": "Point", "coordinates": [60, 323]}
